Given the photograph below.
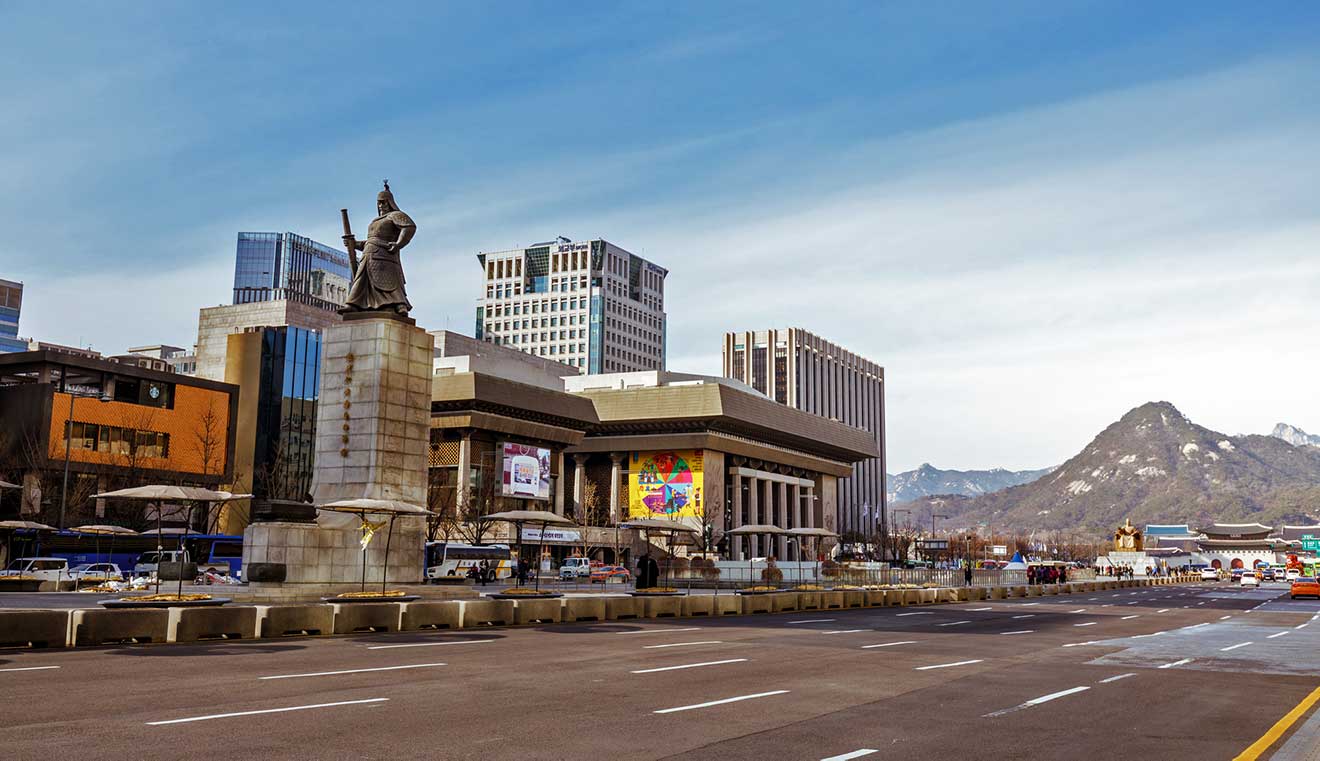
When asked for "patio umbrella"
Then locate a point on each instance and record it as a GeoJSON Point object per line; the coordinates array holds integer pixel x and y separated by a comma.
{"type": "Point", "coordinates": [13, 526]}
{"type": "Point", "coordinates": [543, 517]}
{"type": "Point", "coordinates": [814, 533]}
{"type": "Point", "coordinates": [99, 530]}
{"type": "Point", "coordinates": [364, 507]}
{"type": "Point", "coordinates": [755, 529]}
{"type": "Point", "coordinates": [647, 525]}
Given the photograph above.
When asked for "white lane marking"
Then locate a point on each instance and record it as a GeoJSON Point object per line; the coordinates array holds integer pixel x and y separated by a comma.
{"type": "Point", "coordinates": [811, 621]}
{"type": "Point", "coordinates": [891, 644]}
{"type": "Point", "coordinates": [846, 631]}
{"type": "Point", "coordinates": [1026, 615]}
{"type": "Point", "coordinates": [1162, 610]}
{"type": "Point", "coordinates": [1024, 631]}
{"type": "Point", "coordinates": [684, 644]}
{"type": "Point", "coordinates": [354, 671]}
{"type": "Point", "coordinates": [947, 665]}
{"type": "Point", "coordinates": [688, 666]}
{"type": "Point", "coordinates": [661, 631]}
{"type": "Point", "coordinates": [266, 710]}
{"type": "Point", "coordinates": [955, 623]}
{"type": "Point", "coordinates": [1196, 626]}
{"type": "Point", "coordinates": [978, 610]}
{"type": "Point", "coordinates": [1300, 626]}
{"type": "Point", "coordinates": [1280, 634]}
{"type": "Point", "coordinates": [1116, 678]}
{"type": "Point", "coordinates": [1224, 618]}
{"type": "Point", "coordinates": [1134, 602]}
{"type": "Point", "coordinates": [721, 702]}
{"type": "Point", "coordinates": [1182, 662]}
{"type": "Point", "coordinates": [432, 644]}
{"type": "Point", "coordinates": [1088, 623]}
{"type": "Point", "coordinates": [30, 668]}
{"type": "Point", "coordinates": [1079, 610]}
{"type": "Point", "coordinates": [1233, 647]}
{"type": "Point", "coordinates": [1029, 604]}
{"type": "Point", "coordinates": [855, 754]}
{"type": "Point", "coordinates": [1092, 599]}
{"type": "Point", "coordinates": [1128, 618]}
{"type": "Point", "coordinates": [1201, 602]}
{"type": "Point", "coordinates": [1038, 701]}
{"type": "Point", "coordinates": [1081, 644]}
{"type": "Point", "coordinates": [918, 613]}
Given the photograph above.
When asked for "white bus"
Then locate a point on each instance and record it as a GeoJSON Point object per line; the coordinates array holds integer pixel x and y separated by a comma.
{"type": "Point", "coordinates": [457, 559]}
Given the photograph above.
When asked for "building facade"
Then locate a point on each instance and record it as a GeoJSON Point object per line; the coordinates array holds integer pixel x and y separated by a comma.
{"type": "Point", "coordinates": [808, 373]}
{"type": "Point", "coordinates": [11, 304]}
{"type": "Point", "coordinates": [591, 305]}
{"type": "Point", "coordinates": [216, 324]}
{"type": "Point", "coordinates": [274, 266]}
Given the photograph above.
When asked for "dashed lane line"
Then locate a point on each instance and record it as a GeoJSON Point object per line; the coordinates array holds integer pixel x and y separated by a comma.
{"type": "Point", "coordinates": [433, 644]}
{"type": "Point", "coordinates": [1024, 631]}
{"type": "Point", "coordinates": [846, 631]}
{"type": "Point", "coordinates": [947, 665]}
{"type": "Point", "coordinates": [354, 671]}
{"type": "Point", "coordinates": [1280, 634]}
{"type": "Point", "coordinates": [688, 666]}
{"type": "Point", "coordinates": [710, 703]}
{"type": "Point", "coordinates": [812, 621]}
{"type": "Point", "coordinates": [1038, 701]}
{"type": "Point", "coordinates": [890, 644]}
{"type": "Point", "coordinates": [266, 710]}
{"type": "Point", "coordinates": [851, 755]}
{"type": "Point", "coordinates": [956, 623]}
{"type": "Point", "coordinates": [1233, 647]}
{"type": "Point", "coordinates": [684, 644]}
{"type": "Point", "coordinates": [1175, 664]}
{"type": "Point", "coordinates": [1116, 678]}
{"type": "Point", "coordinates": [1088, 623]}
{"type": "Point", "coordinates": [1129, 618]}
{"type": "Point", "coordinates": [30, 668]}
{"type": "Point", "coordinates": [662, 631]}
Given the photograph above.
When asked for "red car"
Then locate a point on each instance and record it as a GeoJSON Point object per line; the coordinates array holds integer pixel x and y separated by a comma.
{"type": "Point", "coordinates": [604, 573]}
{"type": "Point", "coordinates": [1305, 586]}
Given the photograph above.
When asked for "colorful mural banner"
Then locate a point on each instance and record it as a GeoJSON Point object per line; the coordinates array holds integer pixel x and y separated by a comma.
{"type": "Point", "coordinates": [666, 484]}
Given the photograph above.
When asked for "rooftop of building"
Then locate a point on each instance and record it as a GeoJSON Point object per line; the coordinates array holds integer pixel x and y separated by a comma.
{"type": "Point", "coordinates": [458, 353]}
{"type": "Point", "coordinates": [25, 366]}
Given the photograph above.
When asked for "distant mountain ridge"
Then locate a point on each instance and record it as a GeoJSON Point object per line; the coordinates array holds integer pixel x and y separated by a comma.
{"type": "Point", "coordinates": [1153, 466]}
{"type": "Point", "coordinates": [1295, 436]}
{"type": "Point", "coordinates": [928, 480]}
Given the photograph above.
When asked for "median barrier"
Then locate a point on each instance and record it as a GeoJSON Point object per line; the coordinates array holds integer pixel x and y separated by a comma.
{"type": "Point", "coordinates": [808, 600]}
{"type": "Point", "coordinates": [999, 593]}
{"type": "Point", "coordinates": [727, 605]}
{"type": "Point", "coordinates": [487, 613]}
{"type": "Point", "coordinates": [1035, 590]}
{"type": "Point", "coordinates": [195, 624]}
{"type": "Point", "coordinates": [977, 593]}
{"type": "Point", "coordinates": [911, 596]}
{"type": "Point", "coordinates": [856, 598]}
{"type": "Point", "coordinates": [358, 617]}
{"type": "Point", "coordinates": [583, 609]}
{"type": "Point", "coordinates": [831, 600]}
{"type": "Point", "coordinates": [538, 611]}
{"type": "Point", "coordinates": [952, 594]}
{"type": "Point", "coordinates": [114, 627]}
{"type": "Point", "coordinates": [662, 607]}
{"type": "Point", "coordinates": [275, 621]}
{"type": "Point", "coordinates": [1051, 589]}
{"type": "Point", "coordinates": [621, 608]}
{"type": "Point", "coordinates": [875, 598]}
{"type": "Point", "coordinates": [698, 605]}
{"type": "Point", "coordinates": [431, 615]}
{"type": "Point", "coordinates": [757, 604]}
{"type": "Point", "coordinates": [784, 601]}
{"type": "Point", "coordinates": [34, 628]}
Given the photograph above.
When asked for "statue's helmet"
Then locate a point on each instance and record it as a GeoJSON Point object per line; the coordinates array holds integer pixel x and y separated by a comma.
{"type": "Point", "coordinates": [387, 197]}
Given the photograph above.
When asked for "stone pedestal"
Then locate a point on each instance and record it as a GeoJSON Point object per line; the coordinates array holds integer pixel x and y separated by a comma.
{"type": "Point", "coordinates": [1138, 561]}
{"type": "Point", "coordinates": [372, 437]}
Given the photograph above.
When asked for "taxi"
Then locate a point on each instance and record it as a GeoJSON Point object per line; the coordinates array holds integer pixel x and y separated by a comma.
{"type": "Point", "coordinates": [1305, 586]}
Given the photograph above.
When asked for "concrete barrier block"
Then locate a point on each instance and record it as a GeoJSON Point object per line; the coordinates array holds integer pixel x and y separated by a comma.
{"type": "Point", "coordinates": [876, 598]}
{"type": "Point", "coordinates": [446, 614]}
{"type": "Point", "coordinates": [295, 620]}
{"type": "Point", "coordinates": [662, 607]}
{"type": "Point", "coordinates": [831, 600]}
{"type": "Point", "coordinates": [34, 628]}
{"type": "Point", "coordinates": [958, 594]}
{"type": "Point", "coordinates": [699, 605]}
{"type": "Point", "coordinates": [727, 605]}
{"type": "Point", "coordinates": [549, 611]}
{"type": "Point", "coordinates": [756, 604]}
{"type": "Point", "coordinates": [1018, 591]}
{"type": "Point", "coordinates": [784, 601]}
{"type": "Point", "coordinates": [856, 598]}
{"type": "Point", "coordinates": [583, 609]}
{"type": "Point", "coordinates": [357, 617]}
{"type": "Point", "coordinates": [1050, 589]}
{"type": "Point", "coordinates": [911, 596]}
{"type": "Point", "coordinates": [929, 596]}
{"type": "Point", "coordinates": [1035, 590]}
{"type": "Point", "coordinates": [113, 627]}
{"type": "Point", "coordinates": [998, 593]}
{"type": "Point", "coordinates": [487, 613]}
{"type": "Point", "coordinates": [622, 608]}
{"type": "Point", "coordinates": [808, 600]}
{"type": "Point", "coordinates": [195, 624]}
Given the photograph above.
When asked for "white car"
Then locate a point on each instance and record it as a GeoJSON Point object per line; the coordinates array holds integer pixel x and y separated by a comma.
{"type": "Point", "coordinates": [44, 569]}
{"type": "Point", "coordinates": [1249, 580]}
{"type": "Point", "coordinates": [1209, 574]}
{"type": "Point", "coordinates": [575, 568]}
{"type": "Point", "coordinates": [1292, 574]}
{"type": "Point", "coordinates": [96, 572]}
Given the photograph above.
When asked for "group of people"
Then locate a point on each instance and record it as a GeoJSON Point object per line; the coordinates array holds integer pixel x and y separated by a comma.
{"type": "Point", "coordinates": [1049, 574]}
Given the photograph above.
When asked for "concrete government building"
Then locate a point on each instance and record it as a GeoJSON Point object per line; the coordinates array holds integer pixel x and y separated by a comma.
{"type": "Point", "coordinates": [808, 373]}
{"type": "Point", "coordinates": [590, 305]}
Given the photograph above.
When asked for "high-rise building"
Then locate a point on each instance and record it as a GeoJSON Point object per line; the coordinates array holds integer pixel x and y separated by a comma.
{"type": "Point", "coordinates": [272, 266]}
{"type": "Point", "coordinates": [11, 303]}
{"type": "Point", "coordinates": [216, 324]}
{"type": "Point", "coordinates": [805, 371]}
{"type": "Point", "coordinates": [591, 305]}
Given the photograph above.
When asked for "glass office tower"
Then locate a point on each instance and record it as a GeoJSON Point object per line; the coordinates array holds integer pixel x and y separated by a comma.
{"type": "Point", "coordinates": [286, 413]}
{"type": "Point", "coordinates": [271, 266]}
{"type": "Point", "coordinates": [11, 303]}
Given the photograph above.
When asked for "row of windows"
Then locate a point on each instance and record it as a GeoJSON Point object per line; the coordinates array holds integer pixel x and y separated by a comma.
{"type": "Point", "coordinates": [646, 335]}
{"type": "Point", "coordinates": [534, 307]}
{"type": "Point", "coordinates": [542, 322]}
{"type": "Point", "coordinates": [114, 440]}
{"type": "Point", "coordinates": [636, 315]}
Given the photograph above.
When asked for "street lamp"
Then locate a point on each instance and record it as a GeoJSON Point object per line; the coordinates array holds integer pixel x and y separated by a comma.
{"type": "Point", "coordinates": [68, 445]}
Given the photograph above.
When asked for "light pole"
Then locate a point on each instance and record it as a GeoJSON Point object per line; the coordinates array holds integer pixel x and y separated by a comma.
{"type": "Point", "coordinates": [68, 444]}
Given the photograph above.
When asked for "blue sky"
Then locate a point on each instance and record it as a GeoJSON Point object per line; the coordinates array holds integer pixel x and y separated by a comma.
{"type": "Point", "coordinates": [1035, 215]}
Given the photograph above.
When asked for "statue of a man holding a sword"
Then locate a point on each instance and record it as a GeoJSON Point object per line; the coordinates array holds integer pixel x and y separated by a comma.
{"type": "Point", "coordinates": [378, 277]}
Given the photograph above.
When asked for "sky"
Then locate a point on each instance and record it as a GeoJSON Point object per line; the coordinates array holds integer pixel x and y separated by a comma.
{"type": "Point", "coordinates": [1035, 215]}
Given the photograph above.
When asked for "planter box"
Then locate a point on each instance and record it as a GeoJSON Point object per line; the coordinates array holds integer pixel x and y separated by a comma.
{"type": "Point", "coordinates": [756, 604]}
{"type": "Point", "coordinates": [487, 613]}
{"type": "Point", "coordinates": [856, 598]}
{"type": "Point", "coordinates": [1018, 591]}
{"type": "Point", "coordinates": [661, 607]}
{"type": "Point", "coordinates": [295, 620]}
{"type": "Point", "coordinates": [538, 611]}
{"type": "Point", "coordinates": [999, 593]}
{"type": "Point", "coordinates": [727, 605]}
{"type": "Point", "coordinates": [699, 605]}
{"type": "Point", "coordinates": [808, 600]}
{"type": "Point", "coordinates": [784, 601]}
{"type": "Point", "coordinates": [1035, 590]}
{"type": "Point", "coordinates": [929, 596]}
{"type": "Point", "coordinates": [355, 618]}
{"type": "Point", "coordinates": [195, 624]}
{"type": "Point", "coordinates": [431, 615]}
{"type": "Point", "coordinates": [114, 627]}
{"type": "Point", "coordinates": [831, 600]}
{"type": "Point", "coordinates": [583, 609]}
{"type": "Point", "coordinates": [34, 628]}
{"type": "Point", "coordinates": [622, 608]}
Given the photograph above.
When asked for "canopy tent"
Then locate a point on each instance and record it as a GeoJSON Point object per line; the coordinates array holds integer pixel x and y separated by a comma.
{"type": "Point", "coordinates": [817, 534]}
{"type": "Point", "coordinates": [520, 517]}
{"type": "Point", "coordinates": [364, 507]}
{"type": "Point", "coordinates": [755, 529]}
{"type": "Point", "coordinates": [12, 526]}
{"type": "Point", "coordinates": [674, 528]}
{"type": "Point", "coordinates": [1016, 563]}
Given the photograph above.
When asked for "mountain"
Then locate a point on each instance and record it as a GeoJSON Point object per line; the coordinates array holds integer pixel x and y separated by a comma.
{"type": "Point", "coordinates": [1295, 436]}
{"type": "Point", "coordinates": [1154, 466]}
{"type": "Point", "coordinates": [928, 480]}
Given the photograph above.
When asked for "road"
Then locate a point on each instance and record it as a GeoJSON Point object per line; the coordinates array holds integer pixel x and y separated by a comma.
{"type": "Point", "coordinates": [1192, 672]}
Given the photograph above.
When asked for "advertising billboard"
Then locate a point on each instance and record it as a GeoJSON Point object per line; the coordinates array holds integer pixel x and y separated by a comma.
{"type": "Point", "coordinates": [526, 471]}
{"type": "Point", "coordinates": [665, 484]}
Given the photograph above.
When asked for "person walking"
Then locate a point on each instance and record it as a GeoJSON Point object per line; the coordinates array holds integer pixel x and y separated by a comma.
{"type": "Point", "coordinates": [967, 572]}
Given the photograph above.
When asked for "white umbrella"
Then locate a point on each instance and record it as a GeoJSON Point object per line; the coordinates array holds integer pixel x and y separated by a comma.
{"type": "Point", "coordinates": [12, 526]}
{"type": "Point", "coordinates": [647, 525]}
{"type": "Point", "coordinates": [364, 507]}
{"type": "Point", "coordinates": [543, 517]}
{"type": "Point", "coordinates": [817, 534]}
{"type": "Point", "coordinates": [755, 529]}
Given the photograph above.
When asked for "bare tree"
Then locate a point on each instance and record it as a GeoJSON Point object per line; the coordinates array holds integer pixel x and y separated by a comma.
{"type": "Point", "coordinates": [442, 501]}
{"type": "Point", "coordinates": [475, 507]}
{"type": "Point", "coordinates": [591, 512]}
{"type": "Point", "coordinates": [208, 440]}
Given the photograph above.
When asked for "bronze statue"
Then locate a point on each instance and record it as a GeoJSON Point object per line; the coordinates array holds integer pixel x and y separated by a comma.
{"type": "Point", "coordinates": [378, 278]}
{"type": "Point", "coordinates": [1128, 538]}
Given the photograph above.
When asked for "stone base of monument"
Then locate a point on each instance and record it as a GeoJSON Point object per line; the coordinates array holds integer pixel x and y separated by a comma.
{"type": "Point", "coordinates": [310, 553]}
{"type": "Point", "coordinates": [1138, 561]}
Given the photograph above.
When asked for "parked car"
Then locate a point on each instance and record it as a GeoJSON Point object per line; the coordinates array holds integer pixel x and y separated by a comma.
{"type": "Point", "coordinates": [1305, 586]}
{"type": "Point", "coordinates": [1249, 580]}
{"type": "Point", "coordinates": [96, 572]}
{"type": "Point", "coordinates": [1209, 574]}
{"type": "Point", "coordinates": [149, 562]}
{"type": "Point", "coordinates": [44, 569]}
{"type": "Point", "coordinates": [606, 573]}
{"type": "Point", "coordinates": [577, 568]}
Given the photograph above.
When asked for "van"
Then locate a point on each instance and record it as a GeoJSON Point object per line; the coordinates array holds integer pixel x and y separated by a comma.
{"type": "Point", "coordinates": [575, 568]}
{"type": "Point", "coordinates": [44, 569]}
{"type": "Point", "coordinates": [149, 562]}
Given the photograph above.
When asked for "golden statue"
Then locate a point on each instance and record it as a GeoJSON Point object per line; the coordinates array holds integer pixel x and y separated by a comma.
{"type": "Point", "coordinates": [1128, 537]}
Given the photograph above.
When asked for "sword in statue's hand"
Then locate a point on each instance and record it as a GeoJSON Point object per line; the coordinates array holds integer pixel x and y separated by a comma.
{"type": "Point", "coordinates": [350, 243]}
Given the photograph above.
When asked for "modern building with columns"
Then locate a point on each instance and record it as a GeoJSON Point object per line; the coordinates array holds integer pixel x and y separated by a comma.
{"type": "Point", "coordinates": [806, 372]}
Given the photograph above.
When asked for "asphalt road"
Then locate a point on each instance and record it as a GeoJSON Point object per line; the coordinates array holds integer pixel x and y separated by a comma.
{"type": "Point", "coordinates": [1196, 672]}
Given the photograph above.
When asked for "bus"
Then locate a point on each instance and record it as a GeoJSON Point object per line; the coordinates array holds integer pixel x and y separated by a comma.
{"type": "Point", "coordinates": [456, 559]}
{"type": "Point", "coordinates": [207, 550]}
